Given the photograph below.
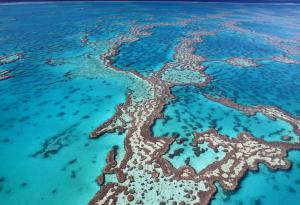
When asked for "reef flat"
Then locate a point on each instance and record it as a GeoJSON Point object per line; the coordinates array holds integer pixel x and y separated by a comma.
{"type": "Point", "coordinates": [183, 103]}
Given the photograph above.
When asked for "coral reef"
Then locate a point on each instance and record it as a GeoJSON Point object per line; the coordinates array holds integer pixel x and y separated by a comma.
{"type": "Point", "coordinates": [143, 172]}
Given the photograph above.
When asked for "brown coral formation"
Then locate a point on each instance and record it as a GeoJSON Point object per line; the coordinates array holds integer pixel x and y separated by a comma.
{"type": "Point", "coordinates": [184, 71]}
{"type": "Point", "coordinates": [55, 62]}
{"type": "Point", "coordinates": [253, 62]}
{"type": "Point", "coordinates": [5, 59]}
{"type": "Point", "coordinates": [6, 74]}
{"type": "Point", "coordinates": [117, 122]}
{"type": "Point", "coordinates": [242, 62]}
{"type": "Point", "coordinates": [285, 59]}
{"type": "Point", "coordinates": [243, 153]}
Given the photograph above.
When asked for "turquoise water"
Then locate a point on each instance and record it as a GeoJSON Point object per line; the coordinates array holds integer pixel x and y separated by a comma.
{"type": "Point", "coordinates": [42, 141]}
{"type": "Point", "coordinates": [48, 111]}
{"type": "Point", "coordinates": [46, 154]}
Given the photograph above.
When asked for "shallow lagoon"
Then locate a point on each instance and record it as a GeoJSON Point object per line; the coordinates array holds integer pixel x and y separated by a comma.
{"type": "Point", "coordinates": [191, 111]}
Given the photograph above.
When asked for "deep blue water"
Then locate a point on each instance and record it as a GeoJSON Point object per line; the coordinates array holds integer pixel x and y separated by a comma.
{"type": "Point", "coordinates": [149, 53]}
{"type": "Point", "coordinates": [270, 84]}
{"type": "Point", "coordinates": [233, 44]}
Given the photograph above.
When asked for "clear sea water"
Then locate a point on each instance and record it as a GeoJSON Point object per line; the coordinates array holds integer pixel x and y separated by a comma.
{"type": "Point", "coordinates": [45, 116]}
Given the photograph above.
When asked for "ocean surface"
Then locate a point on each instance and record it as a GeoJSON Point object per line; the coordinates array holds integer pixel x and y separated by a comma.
{"type": "Point", "coordinates": [60, 90]}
